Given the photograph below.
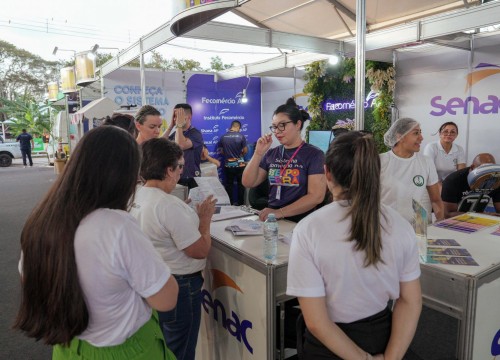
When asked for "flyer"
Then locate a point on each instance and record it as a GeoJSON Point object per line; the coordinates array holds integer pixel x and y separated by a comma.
{"type": "Point", "coordinates": [450, 260]}
{"type": "Point", "coordinates": [442, 242]}
{"type": "Point", "coordinates": [448, 251]}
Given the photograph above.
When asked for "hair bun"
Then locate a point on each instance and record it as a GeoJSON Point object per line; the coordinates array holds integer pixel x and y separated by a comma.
{"type": "Point", "coordinates": [305, 115]}
{"type": "Point", "coordinates": [291, 102]}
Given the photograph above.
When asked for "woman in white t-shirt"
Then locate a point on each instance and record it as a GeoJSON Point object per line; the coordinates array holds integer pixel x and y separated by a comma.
{"type": "Point", "coordinates": [407, 175]}
{"type": "Point", "coordinates": [179, 234]}
{"type": "Point", "coordinates": [90, 275]}
{"type": "Point", "coordinates": [447, 156]}
{"type": "Point", "coordinates": [349, 258]}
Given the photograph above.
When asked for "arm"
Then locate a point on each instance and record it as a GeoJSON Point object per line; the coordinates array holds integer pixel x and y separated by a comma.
{"type": "Point", "coordinates": [316, 189]}
{"type": "Point", "coordinates": [404, 319]}
{"type": "Point", "coordinates": [201, 247]}
{"type": "Point", "coordinates": [253, 175]}
{"type": "Point", "coordinates": [173, 122]}
{"type": "Point", "coordinates": [326, 331]}
{"type": "Point", "coordinates": [184, 142]}
{"type": "Point", "coordinates": [244, 151]}
{"type": "Point", "coordinates": [451, 209]}
{"type": "Point", "coordinates": [166, 298]}
{"type": "Point", "coordinates": [437, 203]}
{"type": "Point", "coordinates": [460, 166]}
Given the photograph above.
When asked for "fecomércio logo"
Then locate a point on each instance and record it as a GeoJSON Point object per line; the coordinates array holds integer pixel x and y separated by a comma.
{"type": "Point", "coordinates": [236, 327]}
{"type": "Point", "coordinates": [472, 104]}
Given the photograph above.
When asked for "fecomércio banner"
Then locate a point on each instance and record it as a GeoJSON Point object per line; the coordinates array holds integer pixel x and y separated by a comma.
{"type": "Point", "coordinates": [216, 104]}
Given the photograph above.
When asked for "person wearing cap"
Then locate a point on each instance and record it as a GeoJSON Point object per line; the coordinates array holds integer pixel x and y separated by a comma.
{"type": "Point", "coordinates": [456, 186]}
{"type": "Point", "coordinates": [406, 174]}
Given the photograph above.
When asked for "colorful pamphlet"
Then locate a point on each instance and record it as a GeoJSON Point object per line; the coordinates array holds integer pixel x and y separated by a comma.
{"type": "Point", "coordinates": [496, 232]}
{"type": "Point", "coordinates": [450, 260]}
{"type": "Point", "coordinates": [467, 223]}
{"type": "Point", "coordinates": [442, 242]}
{"type": "Point", "coordinates": [448, 251]}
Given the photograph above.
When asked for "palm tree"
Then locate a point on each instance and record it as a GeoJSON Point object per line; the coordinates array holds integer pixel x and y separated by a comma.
{"type": "Point", "coordinates": [27, 114]}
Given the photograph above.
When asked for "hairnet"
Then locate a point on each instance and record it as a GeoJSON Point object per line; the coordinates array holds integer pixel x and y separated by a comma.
{"type": "Point", "coordinates": [398, 130]}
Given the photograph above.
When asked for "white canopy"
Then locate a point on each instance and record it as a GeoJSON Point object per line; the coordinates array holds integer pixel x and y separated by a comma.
{"type": "Point", "coordinates": [96, 109]}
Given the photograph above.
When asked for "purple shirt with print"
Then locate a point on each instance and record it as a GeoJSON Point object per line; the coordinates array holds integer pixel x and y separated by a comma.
{"type": "Point", "coordinates": [192, 156]}
{"type": "Point", "coordinates": [309, 160]}
{"type": "Point", "coordinates": [232, 143]}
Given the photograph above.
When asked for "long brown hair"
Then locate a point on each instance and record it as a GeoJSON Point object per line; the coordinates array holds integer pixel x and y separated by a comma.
{"type": "Point", "coordinates": [354, 163]}
{"type": "Point", "coordinates": [102, 173]}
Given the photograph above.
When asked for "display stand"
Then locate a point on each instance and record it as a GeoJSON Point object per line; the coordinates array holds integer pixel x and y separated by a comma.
{"type": "Point", "coordinates": [240, 297]}
{"type": "Point", "coordinates": [470, 294]}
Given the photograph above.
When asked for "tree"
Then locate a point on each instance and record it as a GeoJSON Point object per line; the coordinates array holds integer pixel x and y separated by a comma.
{"type": "Point", "coordinates": [27, 114]}
{"type": "Point", "coordinates": [216, 64]}
{"type": "Point", "coordinates": [23, 73]}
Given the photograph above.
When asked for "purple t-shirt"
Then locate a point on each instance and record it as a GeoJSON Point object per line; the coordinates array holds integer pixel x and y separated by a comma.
{"type": "Point", "coordinates": [232, 143]}
{"type": "Point", "coordinates": [192, 156]}
{"type": "Point", "coordinates": [309, 160]}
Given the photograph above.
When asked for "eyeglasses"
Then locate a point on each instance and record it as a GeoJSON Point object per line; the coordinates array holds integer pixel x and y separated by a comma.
{"type": "Point", "coordinates": [452, 132]}
{"type": "Point", "coordinates": [281, 126]}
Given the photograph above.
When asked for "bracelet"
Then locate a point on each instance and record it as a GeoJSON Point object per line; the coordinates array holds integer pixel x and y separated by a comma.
{"type": "Point", "coordinates": [282, 213]}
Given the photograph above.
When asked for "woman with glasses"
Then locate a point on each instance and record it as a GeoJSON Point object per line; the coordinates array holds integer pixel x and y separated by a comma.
{"type": "Point", "coordinates": [90, 276]}
{"type": "Point", "coordinates": [407, 175]}
{"type": "Point", "coordinates": [294, 168]}
{"type": "Point", "coordinates": [179, 234]}
{"type": "Point", "coordinates": [447, 156]}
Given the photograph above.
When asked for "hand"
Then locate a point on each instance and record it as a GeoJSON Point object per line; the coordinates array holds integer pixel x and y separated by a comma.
{"type": "Point", "coordinates": [180, 117]}
{"type": "Point", "coordinates": [174, 118]}
{"type": "Point", "coordinates": [206, 208]}
{"type": "Point", "coordinates": [265, 212]}
{"type": "Point", "coordinates": [263, 144]}
{"type": "Point", "coordinates": [378, 357]}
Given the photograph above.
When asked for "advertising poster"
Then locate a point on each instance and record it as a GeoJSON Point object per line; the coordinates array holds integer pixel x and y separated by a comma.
{"type": "Point", "coordinates": [442, 85]}
{"type": "Point", "coordinates": [216, 104]}
{"type": "Point", "coordinates": [233, 311]}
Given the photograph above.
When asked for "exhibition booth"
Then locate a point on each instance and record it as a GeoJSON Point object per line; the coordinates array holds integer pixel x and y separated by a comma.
{"type": "Point", "coordinates": [443, 74]}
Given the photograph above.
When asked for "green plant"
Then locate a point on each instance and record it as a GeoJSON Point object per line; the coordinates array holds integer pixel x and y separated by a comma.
{"type": "Point", "coordinates": [336, 82]}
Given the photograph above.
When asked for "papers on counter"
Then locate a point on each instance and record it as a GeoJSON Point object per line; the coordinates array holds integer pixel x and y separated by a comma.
{"type": "Point", "coordinates": [228, 212]}
{"type": "Point", "coordinates": [245, 227]}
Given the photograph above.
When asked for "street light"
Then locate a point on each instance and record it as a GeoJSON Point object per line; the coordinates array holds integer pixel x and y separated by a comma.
{"type": "Point", "coordinates": [56, 49]}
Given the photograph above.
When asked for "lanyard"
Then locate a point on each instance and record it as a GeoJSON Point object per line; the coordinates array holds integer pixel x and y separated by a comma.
{"type": "Point", "coordinates": [290, 160]}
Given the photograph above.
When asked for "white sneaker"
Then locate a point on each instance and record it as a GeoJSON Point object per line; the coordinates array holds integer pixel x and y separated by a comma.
{"type": "Point", "coordinates": [24, 166]}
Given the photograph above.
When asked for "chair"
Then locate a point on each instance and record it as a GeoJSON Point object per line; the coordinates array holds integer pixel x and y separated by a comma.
{"type": "Point", "coordinates": [258, 196]}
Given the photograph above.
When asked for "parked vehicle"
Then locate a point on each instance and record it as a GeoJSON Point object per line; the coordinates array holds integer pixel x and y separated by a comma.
{"type": "Point", "coordinates": [9, 151]}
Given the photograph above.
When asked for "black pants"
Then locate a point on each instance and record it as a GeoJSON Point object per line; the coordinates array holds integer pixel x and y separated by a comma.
{"type": "Point", "coordinates": [189, 182]}
{"type": "Point", "coordinates": [370, 334]}
{"type": "Point", "coordinates": [235, 173]}
{"type": "Point", "coordinates": [26, 152]}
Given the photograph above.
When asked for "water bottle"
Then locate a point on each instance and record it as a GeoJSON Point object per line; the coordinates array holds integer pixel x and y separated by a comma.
{"type": "Point", "coordinates": [270, 237]}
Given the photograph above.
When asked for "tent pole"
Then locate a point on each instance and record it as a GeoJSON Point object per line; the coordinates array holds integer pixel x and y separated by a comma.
{"type": "Point", "coordinates": [360, 65]}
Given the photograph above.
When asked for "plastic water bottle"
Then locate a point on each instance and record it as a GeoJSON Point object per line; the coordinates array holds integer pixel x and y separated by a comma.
{"type": "Point", "coordinates": [270, 237]}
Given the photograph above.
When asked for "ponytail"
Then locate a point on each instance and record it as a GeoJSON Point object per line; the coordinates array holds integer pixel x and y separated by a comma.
{"type": "Point", "coordinates": [354, 163]}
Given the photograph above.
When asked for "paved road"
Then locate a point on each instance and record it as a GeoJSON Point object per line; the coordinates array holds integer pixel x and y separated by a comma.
{"type": "Point", "coordinates": [20, 189]}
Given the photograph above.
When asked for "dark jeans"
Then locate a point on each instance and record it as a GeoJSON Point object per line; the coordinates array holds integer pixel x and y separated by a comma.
{"type": "Point", "coordinates": [235, 173]}
{"type": "Point", "coordinates": [370, 334]}
{"type": "Point", "coordinates": [26, 152]}
{"type": "Point", "coordinates": [180, 326]}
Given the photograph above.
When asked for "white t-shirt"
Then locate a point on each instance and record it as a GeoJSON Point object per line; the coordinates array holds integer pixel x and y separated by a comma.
{"type": "Point", "coordinates": [445, 163]}
{"type": "Point", "coordinates": [324, 264]}
{"type": "Point", "coordinates": [117, 269]}
{"type": "Point", "coordinates": [405, 179]}
{"type": "Point", "coordinates": [171, 225]}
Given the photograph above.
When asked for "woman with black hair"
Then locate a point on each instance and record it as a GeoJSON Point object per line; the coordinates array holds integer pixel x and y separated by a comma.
{"type": "Point", "coordinates": [349, 258]}
{"type": "Point", "coordinates": [294, 169]}
{"type": "Point", "coordinates": [181, 236]}
{"type": "Point", "coordinates": [90, 276]}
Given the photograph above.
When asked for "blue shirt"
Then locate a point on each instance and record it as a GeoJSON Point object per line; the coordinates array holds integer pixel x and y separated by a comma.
{"type": "Point", "coordinates": [232, 143]}
{"type": "Point", "coordinates": [25, 141]}
{"type": "Point", "coordinates": [192, 156]}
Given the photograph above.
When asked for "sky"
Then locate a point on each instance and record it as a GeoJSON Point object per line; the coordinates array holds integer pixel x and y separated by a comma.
{"type": "Point", "coordinates": [40, 25]}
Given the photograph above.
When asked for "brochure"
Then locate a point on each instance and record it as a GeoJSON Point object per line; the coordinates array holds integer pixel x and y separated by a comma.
{"type": "Point", "coordinates": [228, 212]}
{"type": "Point", "coordinates": [245, 227]}
{"type": "Point", "coordinates": [208, 186]}
{"type": "Point", "coordinates": [442, 242]}
{"type": "Point", "coordinates": [450, 260]}
{"type": "Point", "coordinates": [448, 251]}
{"type": "Point", "coordinates": [467, 223]}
